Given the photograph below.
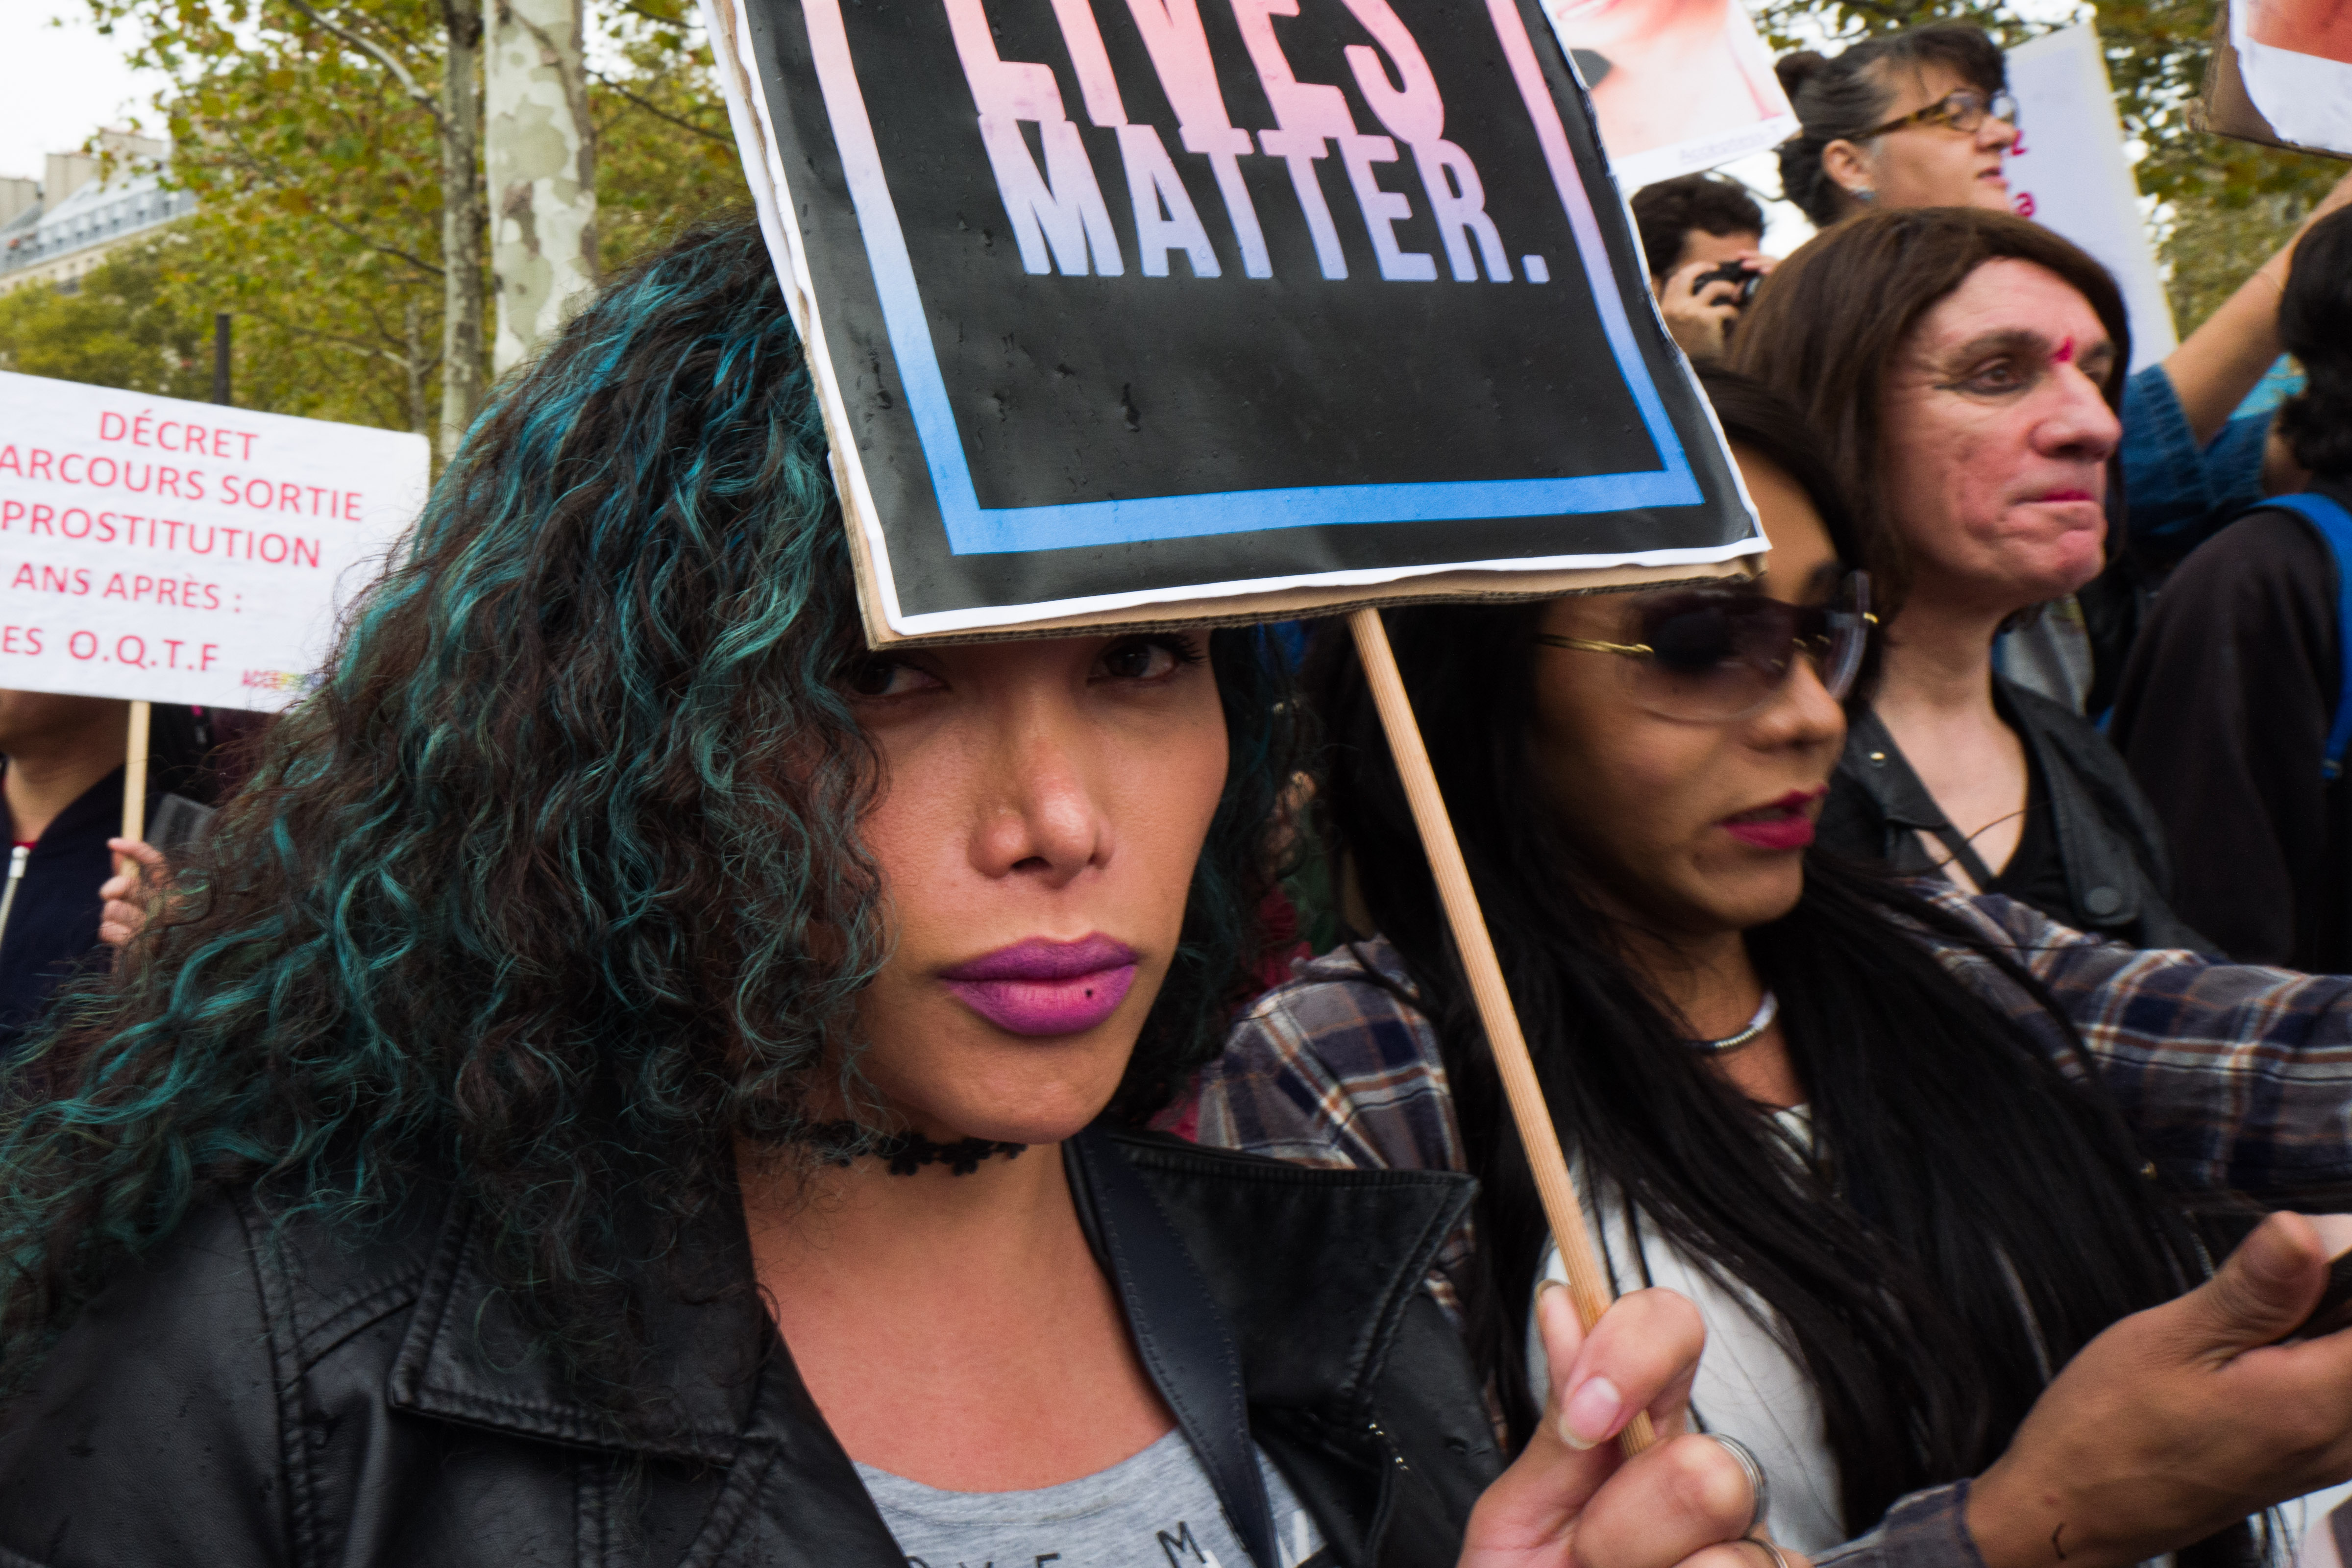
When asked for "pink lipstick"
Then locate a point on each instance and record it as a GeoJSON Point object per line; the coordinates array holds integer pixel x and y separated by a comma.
{"type": "Point", "coordinates": [1783, 825]}
{"type": "Point", "coordinates": [1041, 987]}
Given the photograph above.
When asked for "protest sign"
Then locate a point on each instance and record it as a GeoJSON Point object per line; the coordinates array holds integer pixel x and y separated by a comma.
{"type": "Point", "coordinates": [1143, 310]}
{"type": "Point", "coordinates": [1677, 85]}
{"type": "Point", "coordinates": [2067, 172]}
{"type": "Point", "coordinates": [179, 551]}
{"type": "Point", "coordinates": [2282, 74]}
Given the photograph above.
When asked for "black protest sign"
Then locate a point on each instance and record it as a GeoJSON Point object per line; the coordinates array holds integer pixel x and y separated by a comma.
{"type": "Point", "coordinates": [1122, 305]}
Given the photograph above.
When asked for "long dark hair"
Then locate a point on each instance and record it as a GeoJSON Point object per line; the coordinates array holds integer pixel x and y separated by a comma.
{"type": "Point", "coordinates": [1838, 97]}
{"type": "Point", "coordinates": [1826, 330]}
{"type": "Point", "coordinates": [2315, 325]}
{"type": "Point", "coordinates": [1972, 1213]}
{"type": "Point", "coordinates": [553, 890]}
{"type": "Point", "coordinates": [1956, 1155]}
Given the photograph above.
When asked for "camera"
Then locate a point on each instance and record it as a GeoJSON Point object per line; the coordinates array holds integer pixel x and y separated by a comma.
{"type": "Point", "coordinates": [1731, 272]}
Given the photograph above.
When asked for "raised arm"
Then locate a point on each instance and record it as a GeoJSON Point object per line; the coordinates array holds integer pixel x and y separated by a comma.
{"type": "Point", "coordinates": [2219, 363]}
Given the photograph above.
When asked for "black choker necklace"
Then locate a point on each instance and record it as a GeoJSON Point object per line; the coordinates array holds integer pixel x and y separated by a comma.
{"type": "Point", "coordinates": [910, 1151]}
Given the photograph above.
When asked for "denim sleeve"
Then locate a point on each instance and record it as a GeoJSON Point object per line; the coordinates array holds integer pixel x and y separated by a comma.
{"type": "Point", "coordinates": [2176, 496]}
{"type": "Point", "coordinates": [1926, 1530]}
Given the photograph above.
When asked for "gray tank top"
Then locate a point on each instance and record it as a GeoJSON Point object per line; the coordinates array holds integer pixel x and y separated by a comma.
{"type": "Point", "coordinates": [1152, 1509]}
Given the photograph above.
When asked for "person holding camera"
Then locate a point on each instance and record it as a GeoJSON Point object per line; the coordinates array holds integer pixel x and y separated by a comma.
{"type": "Point", "coordinates": [1702, 234]}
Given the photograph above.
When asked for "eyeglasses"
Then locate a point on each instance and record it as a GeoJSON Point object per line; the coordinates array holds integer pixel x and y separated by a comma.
{"type": "Point", "coordinates": [1712, 655]}
{"type": "Point", "coordinates": [1963, 110]}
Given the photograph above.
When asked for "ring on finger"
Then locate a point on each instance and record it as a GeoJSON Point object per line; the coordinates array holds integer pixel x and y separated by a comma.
{"type": "Point", "coordinates": [1758, 1487]}
{"type": "Point", "coordinates": [1764, 1543]}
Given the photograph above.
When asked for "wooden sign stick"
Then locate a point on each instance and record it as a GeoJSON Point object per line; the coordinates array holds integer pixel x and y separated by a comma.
{"type": "Point", "coordinates": [1588, 1283]}
{"type": "Point", "coordinates": [135, 775]}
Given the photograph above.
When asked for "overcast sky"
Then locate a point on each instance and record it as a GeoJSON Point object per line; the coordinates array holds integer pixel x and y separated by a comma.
{"type": "Point", "coordinates": [63, 83]}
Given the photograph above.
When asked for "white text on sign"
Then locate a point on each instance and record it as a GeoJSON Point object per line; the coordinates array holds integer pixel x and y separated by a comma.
{"type": "Point", "coordinates": [1060, 219]}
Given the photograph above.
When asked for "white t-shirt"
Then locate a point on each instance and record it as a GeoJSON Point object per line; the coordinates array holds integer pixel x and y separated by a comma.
{"type": "Point", "coordinates": [1151, 1510]}
{"type": "Point", "coordinates": [1747, 1387]}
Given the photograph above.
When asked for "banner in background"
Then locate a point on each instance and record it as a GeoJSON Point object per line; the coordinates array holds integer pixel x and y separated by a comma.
{"type": "Point", "coordinates": [1676, 85]}
{"type": "Point", "coordinates": [2068, 173]}
{"type": "Point", "coordinates": [1149, 309]}
{"type": "Point", "coordinates": [175, 551]}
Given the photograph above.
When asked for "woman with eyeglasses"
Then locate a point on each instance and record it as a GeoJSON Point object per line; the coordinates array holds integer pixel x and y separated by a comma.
{"type": "Point", "coordinates": [1963, 366]}
{"type": "Point", "coordinates": [1915, 1155]}
{"type": "Point", "coordinates": [1923, 118]}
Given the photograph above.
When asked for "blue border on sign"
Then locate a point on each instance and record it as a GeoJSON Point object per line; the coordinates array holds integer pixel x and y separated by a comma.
{"type": "Point", "coordinates": [976, 530]}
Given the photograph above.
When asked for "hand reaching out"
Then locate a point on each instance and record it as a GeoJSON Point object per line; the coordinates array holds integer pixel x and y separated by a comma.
{"type": "Point", "coordinates": [2178, 1420]}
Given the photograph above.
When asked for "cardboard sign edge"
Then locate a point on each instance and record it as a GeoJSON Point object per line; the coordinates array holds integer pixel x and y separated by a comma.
{"type": "Point", "coordinates": [2224, 106]}
{"type": "Point", "coordinates": [1315, 602]}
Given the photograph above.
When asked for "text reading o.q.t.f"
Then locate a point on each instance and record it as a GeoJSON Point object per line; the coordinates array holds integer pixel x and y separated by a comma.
{"type": "Point", "coordinates": [1054, 197]}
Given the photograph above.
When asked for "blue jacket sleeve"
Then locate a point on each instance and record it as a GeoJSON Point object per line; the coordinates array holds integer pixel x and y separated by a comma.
{"type": "Point", "coordinates": [2176, 496]}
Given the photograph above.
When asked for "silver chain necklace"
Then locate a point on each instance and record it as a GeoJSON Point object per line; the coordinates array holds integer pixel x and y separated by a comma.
{"type": "Point", "coordinates": [1766, 1011]}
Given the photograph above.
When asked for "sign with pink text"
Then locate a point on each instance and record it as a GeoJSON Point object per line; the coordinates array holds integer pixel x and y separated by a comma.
{"type": "Point", "coordinates": [182, 552]}
{"type": "Point", "coordinates": [1155, 308]}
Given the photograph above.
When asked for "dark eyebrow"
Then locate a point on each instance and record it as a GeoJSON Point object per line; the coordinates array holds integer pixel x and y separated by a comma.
{"type": "Point", "coordinates": [2025, 341]}
{"type": "Point", "coordinates": [2008, 339]}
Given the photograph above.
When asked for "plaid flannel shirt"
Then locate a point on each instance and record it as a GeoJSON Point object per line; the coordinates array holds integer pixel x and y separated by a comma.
{"type": "Point", "coordinates": [2233, 1076]}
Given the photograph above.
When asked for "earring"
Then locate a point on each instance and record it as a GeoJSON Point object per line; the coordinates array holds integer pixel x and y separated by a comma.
{"type": "Point", "coordinates": [1861, 193]}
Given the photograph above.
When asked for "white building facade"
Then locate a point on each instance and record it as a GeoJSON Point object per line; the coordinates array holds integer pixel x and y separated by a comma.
{"type": "Point", "coordinates": [55, 231]}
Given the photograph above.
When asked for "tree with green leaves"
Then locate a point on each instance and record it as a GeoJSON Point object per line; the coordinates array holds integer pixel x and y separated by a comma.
{"type": "Point", "coordinates": [315, 134]}
{"type": "Point", "coordinates": [121, 327]}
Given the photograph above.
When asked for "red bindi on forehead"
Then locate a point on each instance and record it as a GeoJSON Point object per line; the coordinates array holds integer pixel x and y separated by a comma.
{"type": "Point", "coordinates": [2065, 354]}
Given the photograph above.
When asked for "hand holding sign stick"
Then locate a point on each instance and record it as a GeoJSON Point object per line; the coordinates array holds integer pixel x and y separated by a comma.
{"type": "Point", "coordinates": [1588, 1282]}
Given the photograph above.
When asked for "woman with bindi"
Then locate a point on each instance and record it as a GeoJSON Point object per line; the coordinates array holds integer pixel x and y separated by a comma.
{"type": "Point", "coordinates": [1971, 402]}
{"type": "Point", "coordinates": [1926, 1163]}
{"type": "Point", "coordinates": [1924, 118]}
{"type": "Point", "coordinates": [639, 1077]}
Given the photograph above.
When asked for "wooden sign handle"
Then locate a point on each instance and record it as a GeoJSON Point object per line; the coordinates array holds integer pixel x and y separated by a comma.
{"type": "Point", "coordinates": [1588, 1282]}
{"type": "Point", "coordinates": [135, 772]}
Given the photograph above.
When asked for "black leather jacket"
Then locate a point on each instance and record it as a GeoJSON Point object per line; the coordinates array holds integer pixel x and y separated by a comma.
{"type": "Point", "coordinates": [237, 1399]}
{"type": "Point", "coordinates": [2109, 839]}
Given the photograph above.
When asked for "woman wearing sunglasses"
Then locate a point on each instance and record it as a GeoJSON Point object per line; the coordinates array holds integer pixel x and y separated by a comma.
{"type": "Point", "coordinates": [1965, 366]}
{"type": "Point", "coordinates": [1890, 1142]}
{"type": "Point", "coordinates": [1923, 119]}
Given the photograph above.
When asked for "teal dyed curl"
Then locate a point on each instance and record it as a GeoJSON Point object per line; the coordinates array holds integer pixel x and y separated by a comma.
{"type": "Point", "coordinates": [552, 890]}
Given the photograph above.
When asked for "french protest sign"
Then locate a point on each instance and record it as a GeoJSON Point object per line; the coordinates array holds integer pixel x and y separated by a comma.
{"type": "Point", "coordinates": [1136, 309]}
{"type": "Point", "coordinates": [176, 551]}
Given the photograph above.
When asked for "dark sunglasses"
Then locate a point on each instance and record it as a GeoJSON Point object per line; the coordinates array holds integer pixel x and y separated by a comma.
{"type": "Point", "coordinates": [1712, 655]}
{"type": "Point", "coordinates": [1963, 110]}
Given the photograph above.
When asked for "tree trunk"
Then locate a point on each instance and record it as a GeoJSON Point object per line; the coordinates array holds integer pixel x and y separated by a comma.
{"type": "Point", "coordinates": [413, 364]}
{"type": "Point", "coordinates": [540, 151]}
{"type": "Point", "coordinates": [461, 222]}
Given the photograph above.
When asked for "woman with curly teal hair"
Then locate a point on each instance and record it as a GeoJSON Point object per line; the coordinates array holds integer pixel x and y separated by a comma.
{"type": "Point", "coordinates": [638, 1077]}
